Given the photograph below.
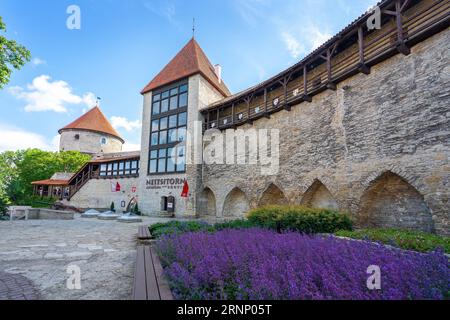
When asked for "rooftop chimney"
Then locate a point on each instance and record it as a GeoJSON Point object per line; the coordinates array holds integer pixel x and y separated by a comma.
{"type": "Point", "coordinates": [218, 71]}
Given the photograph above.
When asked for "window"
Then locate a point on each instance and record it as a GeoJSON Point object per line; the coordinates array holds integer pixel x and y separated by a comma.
{"type": "Point", "coordinates": [103, 170]}
{"type": "Point", "coordinates": [118, 169]}
{"type": "Point", "coordinates": [168, 129]}
{"type": "Point", "coordinates": [103, 141]}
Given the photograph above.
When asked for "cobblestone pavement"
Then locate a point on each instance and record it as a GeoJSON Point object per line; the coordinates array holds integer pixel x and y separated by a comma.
{"type": "Point", "coordinates": [16, 287]}
{"type": "Point", "coordinates": [35, 256]}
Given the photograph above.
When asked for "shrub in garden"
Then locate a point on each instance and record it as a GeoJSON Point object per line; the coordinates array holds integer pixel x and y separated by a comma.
{"type": "Point", "coordinates": [405, 239]}
{"type": "Point", "coordinates": [178, 227]}
{"type": "Point", "coordinates": [262, 264]}
{"type": "Point", "coordinates": [234, 224]}
{"type": "Point", "coordinates": [301, 219]}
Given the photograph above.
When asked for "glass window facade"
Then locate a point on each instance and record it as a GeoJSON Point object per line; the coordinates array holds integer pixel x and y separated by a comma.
{"type": "Point", "coordinates": [119, 169]}
{"type": "Point", "coordinates": [168, 129]}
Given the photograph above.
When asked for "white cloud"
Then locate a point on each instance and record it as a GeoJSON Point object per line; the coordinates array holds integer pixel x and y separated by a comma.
{"type": "Point", "coordinates": [251, 10]}
{"type": "Point", "coordinates": [292, 45]}
{"type": "Point", "coordinates": [38, 61]}
{"type": "Point", "coordinates": [46, 95]}
{"type": "Point", "coordinates": [315, 36]}
{"type": "Point", "coordinates": [164, 9]}
{"type": "Point", "coordinates": [131, 147]}
{"type": "Point", "coordinates": [124, 123]}
{"type": "Point", "coordinates": [307, 38]}
{"type": "Point", "coordinates": [18, 139]}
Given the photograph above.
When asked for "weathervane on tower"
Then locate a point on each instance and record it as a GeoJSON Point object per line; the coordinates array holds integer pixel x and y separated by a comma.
{"type": "Point", "coordinates": [193, 28]}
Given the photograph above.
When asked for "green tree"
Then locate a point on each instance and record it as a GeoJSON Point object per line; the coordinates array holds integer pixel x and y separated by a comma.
{"type": "Point", "coordinates": [12, 55]}
{"type": "Point", "coordinates": [8, 174]}
{"type": "Point", "coordinates": [34, 165]}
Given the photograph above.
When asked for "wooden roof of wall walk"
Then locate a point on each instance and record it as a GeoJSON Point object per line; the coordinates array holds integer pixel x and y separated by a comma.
{"type": "Point", "coordinates": [191, 60]}
{"type": "Point", "coordinates": [388, 7]}
{"type": "Point", "coordinates": [50, 182]}
{"type": "Point", "coordinates": [93, 120]}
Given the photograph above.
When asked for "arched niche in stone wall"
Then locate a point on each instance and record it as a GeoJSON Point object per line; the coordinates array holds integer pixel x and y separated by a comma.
{"type": "Point", "coordinates": [236, 204]}
{"type": "Point", "coordinates": [207, 203]}
{"type": "Point", "coordinates": [318, 196]}
{"type": "Point", "coordinates": [391, 202]}
{"type": "Point", "coordinates": [273, 196]}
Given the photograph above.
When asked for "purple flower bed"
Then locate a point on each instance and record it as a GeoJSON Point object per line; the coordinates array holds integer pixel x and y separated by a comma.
{"type": "Point", "coordinates": [260, 264]}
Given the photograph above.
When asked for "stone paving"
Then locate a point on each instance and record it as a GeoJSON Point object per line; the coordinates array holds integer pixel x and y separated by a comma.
{"type": "Point", "coordinates": [35, 255]}
{"type": "Point", "coordinates": [16, 287]}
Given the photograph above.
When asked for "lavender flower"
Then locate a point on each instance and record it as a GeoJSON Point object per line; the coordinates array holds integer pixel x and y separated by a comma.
{"type": "Point", "coordinates": [261, 264]}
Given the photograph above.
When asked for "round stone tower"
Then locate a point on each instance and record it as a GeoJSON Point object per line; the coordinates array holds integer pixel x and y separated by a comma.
{"type": "Point", "coordinates": [92, 133]}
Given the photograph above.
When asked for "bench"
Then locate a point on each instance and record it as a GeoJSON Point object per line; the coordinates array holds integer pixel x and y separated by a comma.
{"type": "Point", "coordinates": [149, 283]}
{"type": "Point", "coordinates": [144, 233]}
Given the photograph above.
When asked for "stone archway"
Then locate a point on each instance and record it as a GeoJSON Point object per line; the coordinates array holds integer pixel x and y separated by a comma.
{"type": "Point", "coordinates": [318, 196]}
{"type": "Point", "coordinates": [391, 202]}
{"type": "Point", "coordinates": [207, 203]}
{"type": "Point", "coordinates": [236, 204]}
{"type": "Point", "coordinates": [273, 196]}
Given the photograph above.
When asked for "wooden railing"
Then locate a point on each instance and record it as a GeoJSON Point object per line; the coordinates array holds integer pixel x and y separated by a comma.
{"type": "Point", "coordinates": [418, 22]}
{"type": "Point", "coordinates": [81, 179]}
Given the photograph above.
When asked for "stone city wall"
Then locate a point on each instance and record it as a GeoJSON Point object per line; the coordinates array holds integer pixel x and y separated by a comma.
{"type": "Point", "coordinates": [378, 148]}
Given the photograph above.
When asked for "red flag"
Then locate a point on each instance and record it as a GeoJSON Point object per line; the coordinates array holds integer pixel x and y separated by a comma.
{"type": "Point", "coordinates": [117, 187]}
{"type": "Point", "coordinates": [185, 192]}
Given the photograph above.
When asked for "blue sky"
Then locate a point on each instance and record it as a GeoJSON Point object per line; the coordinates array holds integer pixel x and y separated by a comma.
{"type": "Point", "coordinates": [123, 44]}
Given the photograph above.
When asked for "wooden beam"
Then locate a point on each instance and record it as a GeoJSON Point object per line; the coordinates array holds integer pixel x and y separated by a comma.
{"type": "Point", "coordinates": [401, 45]}
{"type": "Point", "coordinates": [305, 97]}
{"type": "Point", "coordinates": [218, 117]}
{"type": "Point", "coordinates": [285, 83]}
{"type": "Point", "coordinates": [363, 68]}
{"type": "Point", "coordinates": [233, 114]}
{"type": "Point", "coordinates": [330, 84]}
{"type": "Point", "coordinates": [404, 5]}
{"type": "Point", "coordinates": [247, 101]}
{"type": "Point", "coordinates": [266, 113]}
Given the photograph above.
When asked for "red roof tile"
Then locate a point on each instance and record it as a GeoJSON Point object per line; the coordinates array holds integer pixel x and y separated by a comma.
{"type": "Point", "coordinates": [93, 120]}
{"type": "Point", "coordinates": [50, 182]}
{"type": "Point", "coordinates": [189, 61]}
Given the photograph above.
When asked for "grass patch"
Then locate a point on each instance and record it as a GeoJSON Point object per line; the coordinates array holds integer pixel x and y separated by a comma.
{"type": "Point", "coordinates": [409, 240]}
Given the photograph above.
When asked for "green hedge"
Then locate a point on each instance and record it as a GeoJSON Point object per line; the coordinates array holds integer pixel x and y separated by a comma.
{"type": "Point", "coordinates": [178, 227]}
{"type": "Point", "coordinates": [301, 219]}
{"type": "Point", "coordinates": [409, 240]}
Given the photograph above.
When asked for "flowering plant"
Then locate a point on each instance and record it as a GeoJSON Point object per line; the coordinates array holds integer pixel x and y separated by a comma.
{"type": "Point", "coordinates": [261, 264]}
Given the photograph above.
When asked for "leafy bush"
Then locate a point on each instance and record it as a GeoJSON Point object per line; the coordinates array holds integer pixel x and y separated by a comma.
{"type": "Point", "coordinates": [178, 227]}
{"type": "Point", "coordinates": [259, 264]}
{"type": "Point", "coordinates": [37, 202]}
{"type": "Point", "coordinates": [409, 240]}
{"type": "Point", "coordinates": [301, 219]}
{"type": "Point", "coordinates": [234, 224]}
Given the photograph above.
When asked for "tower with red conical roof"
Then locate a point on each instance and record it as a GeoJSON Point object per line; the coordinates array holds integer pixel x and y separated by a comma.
{"type": "Point", "coordinates": [91, 133]}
